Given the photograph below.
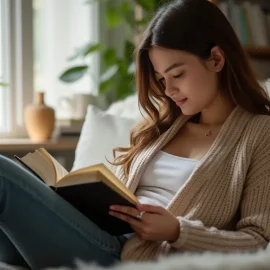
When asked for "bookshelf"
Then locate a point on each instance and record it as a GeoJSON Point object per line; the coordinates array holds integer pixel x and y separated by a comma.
{"type": "Point", "coordinates": [258, 52]}
{"type": "Point", "coordinates": [253, 51]}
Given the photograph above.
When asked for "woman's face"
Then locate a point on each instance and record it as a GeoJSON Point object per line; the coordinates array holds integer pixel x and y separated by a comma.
{"type": "Point", "coordinates": [189, 81]}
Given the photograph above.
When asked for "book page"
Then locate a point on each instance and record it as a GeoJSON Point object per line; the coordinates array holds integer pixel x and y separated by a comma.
{"type": "Point", "coordinates": [60, 171]}
{"type": "Point", "coordinates": [112, 181]}
{"type": "Point", "coordinates": [98, 172]}
{"type": "Point", "coordinates": [41, 166]}
{"type": "Point", "coordinates": [77, 179]}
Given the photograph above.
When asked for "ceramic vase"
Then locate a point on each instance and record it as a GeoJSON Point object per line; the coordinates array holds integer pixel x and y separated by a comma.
{"type": "Point", "coordinates": [39, 120]}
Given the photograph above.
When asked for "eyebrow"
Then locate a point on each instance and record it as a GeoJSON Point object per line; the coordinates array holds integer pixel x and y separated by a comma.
{"type": "Point", "coordinates": [172, 67]}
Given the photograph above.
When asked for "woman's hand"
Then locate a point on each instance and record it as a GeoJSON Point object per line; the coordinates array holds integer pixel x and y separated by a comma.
{"type": "Point", "coordinates": [157, 224]}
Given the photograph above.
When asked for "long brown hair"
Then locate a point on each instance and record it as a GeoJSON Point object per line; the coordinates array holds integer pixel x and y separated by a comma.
{"type": "Point", "coordinates": [194, 26]}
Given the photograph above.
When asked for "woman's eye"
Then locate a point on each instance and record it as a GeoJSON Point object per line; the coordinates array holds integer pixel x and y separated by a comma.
{"type": "Point", "coordinates": [178, 76]}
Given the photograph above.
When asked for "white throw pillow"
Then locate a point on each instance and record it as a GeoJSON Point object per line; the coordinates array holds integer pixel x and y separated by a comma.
{"type": "Point", "coordinates": [101, 133]}
{"type": "Point", "coordinates": [128, 107]}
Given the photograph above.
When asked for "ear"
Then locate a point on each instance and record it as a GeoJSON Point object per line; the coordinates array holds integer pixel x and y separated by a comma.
{"type": "Point", "coordinates": [216, 59]}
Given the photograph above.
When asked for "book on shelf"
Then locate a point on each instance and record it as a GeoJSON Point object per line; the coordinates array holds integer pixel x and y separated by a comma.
{"type": "Point", "coordinates": [249, 20]}
{"type": "Point", "coordinates": [91, 190]}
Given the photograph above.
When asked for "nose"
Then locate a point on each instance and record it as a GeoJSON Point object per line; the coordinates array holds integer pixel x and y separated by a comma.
{"type": "Point", "coordinates": [170, 90]}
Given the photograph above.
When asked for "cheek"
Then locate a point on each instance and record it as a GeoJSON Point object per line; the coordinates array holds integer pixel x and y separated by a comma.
{"type": "Point", "coordinates": [202, 83]}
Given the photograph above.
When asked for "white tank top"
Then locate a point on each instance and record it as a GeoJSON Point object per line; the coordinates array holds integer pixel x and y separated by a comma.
{"type": "Point", "coordinates": [163, 177]}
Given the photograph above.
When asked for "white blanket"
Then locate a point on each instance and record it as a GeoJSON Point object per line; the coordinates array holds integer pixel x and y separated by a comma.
{"type": "Point", "coordinates": [187, 261]}
{"type": "Point", "coordinates": [207, 261]}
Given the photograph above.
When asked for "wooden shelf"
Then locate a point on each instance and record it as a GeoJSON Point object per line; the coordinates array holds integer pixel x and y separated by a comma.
{"type": "Point", "coordinates": [258, 52]}
{"type": "Point", "coordinates": [15, 145]}
{"type": "Point", "coordinates": [253, 51]}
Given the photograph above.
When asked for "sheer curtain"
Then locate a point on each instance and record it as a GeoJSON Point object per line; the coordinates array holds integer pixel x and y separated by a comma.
{"type": "Point", "coordinates": [60, 27]}
{"type": "Point", "coordinates": [16, 64]}
{"type": "Point", "coordinates": [3, 76]}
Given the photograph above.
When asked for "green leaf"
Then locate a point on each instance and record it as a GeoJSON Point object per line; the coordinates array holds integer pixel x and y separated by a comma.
{"type": "Point", "coordinates": [123, 66]}
{"type": "Point", "coordinates": [127, 12]}
{"type": "Point", "coordinates": [109, 73]}
{"type": "Point", "coordinates": [124, 87]}
{"type": "Point", "coordinates": [142, 22]}
{"type": "Point", "coordinates": [114, 17]}
{"type": "Point", "coordinates": [125, 7]}
{"type": "Point", "coordinates": [93, 48]}
{"type": "Point", "coordinates": [110, 57]}
{"type": "Point", "coordinates": [73, 74]}
{"type": "Point", "coordinates": [130, 19]}
{"type": "Point", "coordinates": [85, 50]}
{"type": "Point", "coordinates": [147, 5]}
{"type": "Point", "coordinates": [105, 85]}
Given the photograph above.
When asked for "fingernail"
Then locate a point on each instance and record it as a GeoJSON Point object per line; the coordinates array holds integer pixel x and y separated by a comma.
{"type": "Point", "coordinates": [112, 207]}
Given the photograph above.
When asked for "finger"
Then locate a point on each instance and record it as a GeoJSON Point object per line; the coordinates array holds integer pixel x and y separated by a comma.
{"type": "Point", "coordinates": [139, 206]}
{"type": "Point", "coordinates": [129, 219]}
{"type": "Point", "coordinates": [125, 209]}
{"type": "Point", "coordinates": [153, 209]}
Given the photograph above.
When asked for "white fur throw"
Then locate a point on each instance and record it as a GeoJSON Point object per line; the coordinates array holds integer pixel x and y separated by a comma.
{"type": "Point", "coordinates": [187, 261]}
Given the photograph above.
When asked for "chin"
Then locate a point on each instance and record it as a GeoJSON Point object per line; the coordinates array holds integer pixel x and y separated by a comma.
{"type": "Point", "coordinates": [189, 111]}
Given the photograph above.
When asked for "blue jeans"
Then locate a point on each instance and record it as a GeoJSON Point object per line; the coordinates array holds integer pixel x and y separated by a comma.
{"type": "Point", "coordinates": [39, 229]}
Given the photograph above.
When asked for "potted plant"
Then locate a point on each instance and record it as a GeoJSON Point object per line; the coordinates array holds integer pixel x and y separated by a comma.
{"type": "Point", "coordinates": [117, 80]}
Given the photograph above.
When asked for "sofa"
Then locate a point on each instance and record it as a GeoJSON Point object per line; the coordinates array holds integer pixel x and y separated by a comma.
{"type": "Point", "coordinates": [104, 130]}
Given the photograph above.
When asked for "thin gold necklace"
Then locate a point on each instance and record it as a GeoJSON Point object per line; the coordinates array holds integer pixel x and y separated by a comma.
{"type": "Point", "coordinates": [208, 133]}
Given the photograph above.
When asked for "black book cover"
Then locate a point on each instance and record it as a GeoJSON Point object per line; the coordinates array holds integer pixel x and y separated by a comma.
{"type": "Point", "coordinates": [93, 200]}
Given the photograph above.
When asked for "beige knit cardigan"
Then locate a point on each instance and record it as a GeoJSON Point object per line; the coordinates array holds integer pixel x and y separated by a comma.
{"type": "Point", "coordinates": [225, 203]}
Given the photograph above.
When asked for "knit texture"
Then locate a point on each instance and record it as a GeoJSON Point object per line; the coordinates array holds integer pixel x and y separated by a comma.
{"type": "Point", "coordinates": [224, 205]}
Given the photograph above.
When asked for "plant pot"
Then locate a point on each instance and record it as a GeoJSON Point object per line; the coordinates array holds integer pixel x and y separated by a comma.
{"type": "Point", "coordinates": [39, 120]}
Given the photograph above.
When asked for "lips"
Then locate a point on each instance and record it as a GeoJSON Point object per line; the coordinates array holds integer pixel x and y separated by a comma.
{"type": "Point", "coordinates": [181, 102]}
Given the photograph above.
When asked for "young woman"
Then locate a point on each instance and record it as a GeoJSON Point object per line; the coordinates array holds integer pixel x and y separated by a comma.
{"type": "Point", "coordinates": [199, 164]}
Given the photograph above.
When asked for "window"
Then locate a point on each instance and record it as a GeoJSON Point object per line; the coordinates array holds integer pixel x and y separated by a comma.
{"type": "Point", "coordinates": [36, 39]}
{"type": "Point", "coordinates": [3, 64]}
{"type": "Point", "coordinates": [60, 27]}
{"type": "Point", "coordinates": [16, 65]}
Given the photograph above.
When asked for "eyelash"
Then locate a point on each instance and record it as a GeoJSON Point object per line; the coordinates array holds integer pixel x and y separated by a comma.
{"type": "Point", "coordinates": [175, 77]}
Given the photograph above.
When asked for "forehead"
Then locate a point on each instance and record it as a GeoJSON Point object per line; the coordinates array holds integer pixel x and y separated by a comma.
{"type": "Point", "coordinates": [162, 58]}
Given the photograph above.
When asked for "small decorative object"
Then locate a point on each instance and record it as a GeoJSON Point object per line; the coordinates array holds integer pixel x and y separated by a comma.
{"type": "Point", "coordinates": [77, 104]}
{"type": "Point", "coordinates": [39, 120]}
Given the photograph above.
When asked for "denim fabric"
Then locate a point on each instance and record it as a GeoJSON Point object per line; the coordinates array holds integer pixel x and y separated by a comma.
{"type": "Point", "coordinates": [40, 228]}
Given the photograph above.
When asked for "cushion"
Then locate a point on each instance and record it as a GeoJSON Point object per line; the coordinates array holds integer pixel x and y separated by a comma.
{"type": "Point", "coordinates": [126, 108]}
{"type": "Point", "coordinates": [101, 133]}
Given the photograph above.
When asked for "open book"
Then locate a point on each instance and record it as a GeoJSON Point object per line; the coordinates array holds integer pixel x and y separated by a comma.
{"type": "Point", "coordinates": [91, 190]}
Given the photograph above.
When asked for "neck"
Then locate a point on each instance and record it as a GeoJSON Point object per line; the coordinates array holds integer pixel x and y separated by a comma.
{"type": "Point", "coordinates": [215, 116]}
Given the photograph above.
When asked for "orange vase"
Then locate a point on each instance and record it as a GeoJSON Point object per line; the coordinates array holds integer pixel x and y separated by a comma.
{"type": "Point", "coordinates": [39, 120]}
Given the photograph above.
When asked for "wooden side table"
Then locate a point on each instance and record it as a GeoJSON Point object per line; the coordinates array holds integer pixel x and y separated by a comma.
{"type": "Point", "coordinates": [63, 149]}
